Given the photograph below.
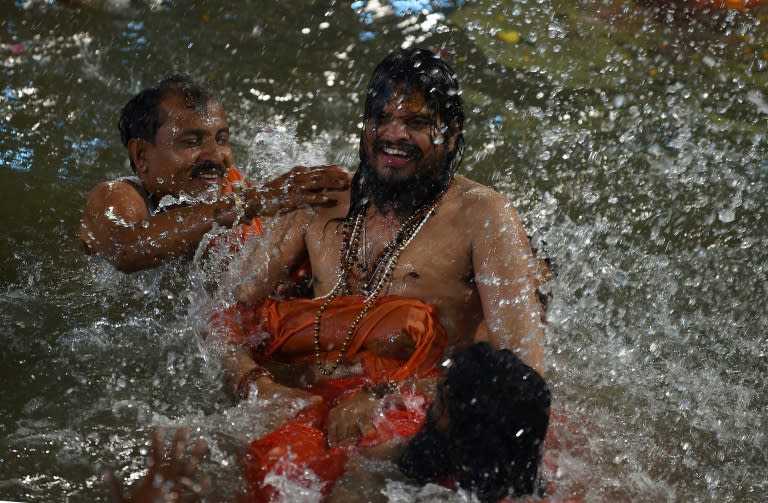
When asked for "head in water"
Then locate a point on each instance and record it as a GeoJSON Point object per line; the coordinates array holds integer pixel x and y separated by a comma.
{"type": "Point", "coordinates": [412, 139]}
{"type": "Point", "coordinates": [485, 428]}
{"type": "Point", "coordinates": [177, 137]}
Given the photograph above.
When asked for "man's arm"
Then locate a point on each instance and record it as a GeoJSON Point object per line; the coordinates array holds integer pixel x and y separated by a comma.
{"type": "Point", "coordinates": [117, 225]}
{"type": "Point", "coordinates": [284, 248]}
{"type": "Point", "coordinates": [502, 261]}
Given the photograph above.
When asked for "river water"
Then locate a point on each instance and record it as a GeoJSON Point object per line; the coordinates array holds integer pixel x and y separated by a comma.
{"type": "Point", "coordinates": [633, 142]}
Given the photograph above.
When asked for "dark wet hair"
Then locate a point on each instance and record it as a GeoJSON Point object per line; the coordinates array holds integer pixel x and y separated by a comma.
{"type": "Point", "coordinates": [140, 117]}
{"type": "Point", "coordinates": [414, 71]}
{"type": "Point", "coordinates": [498, 410]}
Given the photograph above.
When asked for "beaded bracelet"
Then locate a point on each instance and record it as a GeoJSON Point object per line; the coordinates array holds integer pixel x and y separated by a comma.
{"type": "Point", "coordinates": [244, 384]}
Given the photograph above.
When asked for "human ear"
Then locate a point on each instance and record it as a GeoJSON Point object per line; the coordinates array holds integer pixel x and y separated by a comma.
{"type": "Point", "coordinates": [452, 135]}
{"type": "Point", "coordinates": [137, 150]}
{"type": "Point", "coordinates": [136, 153]}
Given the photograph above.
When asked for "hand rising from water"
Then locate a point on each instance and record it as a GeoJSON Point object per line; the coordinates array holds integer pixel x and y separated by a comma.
{"type": "Point", "coordinates": [170, 475]}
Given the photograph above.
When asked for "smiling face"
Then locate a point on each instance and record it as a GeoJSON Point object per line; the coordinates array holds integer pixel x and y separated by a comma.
{"type": "Point", "coordinates": [407, 150]}
{"type": "Point", "coordinates": [406, 139]}
{"type": "Point", "coordinates": [191, 151]}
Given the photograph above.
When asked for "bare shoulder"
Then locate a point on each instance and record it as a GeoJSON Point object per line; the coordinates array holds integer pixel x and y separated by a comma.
{"type": "Point", "coordinates": [481, 204]}
{"type": "Point", "coordinates": [112, 189]}
{"type": "Point", "coordinates": [119, 197]}
{"type": "Point", "coordinates": [321, 216]}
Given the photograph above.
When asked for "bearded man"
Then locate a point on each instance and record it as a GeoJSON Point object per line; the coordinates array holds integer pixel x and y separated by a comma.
{"type": "Point", "coordinates": [413, 265]}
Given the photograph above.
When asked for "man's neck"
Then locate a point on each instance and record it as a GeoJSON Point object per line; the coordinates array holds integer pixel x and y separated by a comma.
{"type": "Point", "coordinates": [402, 204]}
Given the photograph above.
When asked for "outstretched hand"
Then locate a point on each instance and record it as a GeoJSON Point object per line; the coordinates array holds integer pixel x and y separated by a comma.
{"type": "Point", "coordinates": [301, 187]}
{"type": "Point", "coordinates": [269, 389]}
{"type": "Point", "coordinates": [170, 475]}
{"type": "Point", "coordinates": [353, 418]}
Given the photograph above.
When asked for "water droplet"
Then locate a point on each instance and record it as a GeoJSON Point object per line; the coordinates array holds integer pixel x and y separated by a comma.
{"type": "Point", "coordinates": [727, 215]}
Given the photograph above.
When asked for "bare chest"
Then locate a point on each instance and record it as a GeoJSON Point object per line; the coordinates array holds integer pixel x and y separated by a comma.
{"type": "Point", "coordinates": [433, 265]}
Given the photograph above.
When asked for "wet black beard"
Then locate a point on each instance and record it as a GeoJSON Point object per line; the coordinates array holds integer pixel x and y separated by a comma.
{"type": "Point", "coordinates": [403, 197]}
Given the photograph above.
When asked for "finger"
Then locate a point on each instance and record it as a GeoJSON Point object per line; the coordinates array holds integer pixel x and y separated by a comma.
{"type": "Point", "coordinates": [309, 397]}
{"type": "Point", "coordinates": [195, 457]}
{"type": "Point", "coordinates": [156, 456]}
{"type": "Point", "coordinates": [328, 181]}
{"type": "Point", "coordinates": [320, 199]}
{"type": "Point", "coordinates": [366, 427]}
{"type": "Point", "coordinates": [200, 448]}
{"type": "Point", "coordinates": [113, 486]}
{"type": "Point", "coordinates": [333, 429]}
{"type": "Point", "coordinates": [299, 170]}
{"type": "Point", "coordinates": [177, 449]}
{"type": "Point", "coordinates": [347, 428]}
{"type": "Point", "coordinates": [205, 485]}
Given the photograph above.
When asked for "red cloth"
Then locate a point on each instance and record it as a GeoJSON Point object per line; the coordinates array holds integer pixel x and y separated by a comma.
{"type": "Point", "coordinates": [298, 450]}
{"type": "Point", "coordinates": [285, 329]}
{"type": "Point", "coordinates": [290, 451]}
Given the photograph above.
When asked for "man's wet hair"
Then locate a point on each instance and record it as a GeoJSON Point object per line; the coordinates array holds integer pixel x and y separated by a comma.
{"type": "Point", "coordinates": [498, 410]}
{"type": "Point", "coordinates": [141, 118]}
{"type": "Point", "coordinates": [414, 71]}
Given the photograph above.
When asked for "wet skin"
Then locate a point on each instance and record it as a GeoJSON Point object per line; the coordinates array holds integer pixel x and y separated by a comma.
{"type": "Point", "coordinates": [191, 151]}
{"type": "Point", "coordinates": [404, 139]}
{"type": "Point", "coordinates": [471, 260]}
{"type": "Point", "coordinates": [190, 154]}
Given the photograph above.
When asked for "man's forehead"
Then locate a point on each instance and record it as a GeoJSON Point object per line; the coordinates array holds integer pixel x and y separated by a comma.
{"type": "Point", "coordinates": [404, 101]}
{"type": "Point", "coordinates": [176, 108]}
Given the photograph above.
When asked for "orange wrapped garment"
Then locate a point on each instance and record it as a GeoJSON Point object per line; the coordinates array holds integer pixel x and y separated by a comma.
{"type": "Point", "coordinates": [298, 450]}
{"type": "Point", "coordinates": [285, 329]}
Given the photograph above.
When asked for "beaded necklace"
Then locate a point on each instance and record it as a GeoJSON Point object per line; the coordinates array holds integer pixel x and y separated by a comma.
{"type": "Point", "coordinates": [375, 280]}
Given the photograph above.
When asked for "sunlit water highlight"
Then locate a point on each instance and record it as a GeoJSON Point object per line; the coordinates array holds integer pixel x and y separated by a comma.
{"type": "Point", "coordinates": [634, 146]}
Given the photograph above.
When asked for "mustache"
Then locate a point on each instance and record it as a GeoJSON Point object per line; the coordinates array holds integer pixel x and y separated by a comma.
{"type": "Point", "coordinates": [208, 166]}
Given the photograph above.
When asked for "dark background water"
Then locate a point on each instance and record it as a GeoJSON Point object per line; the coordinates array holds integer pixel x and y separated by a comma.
{"type": "Point", "coordinates": [635, 144]}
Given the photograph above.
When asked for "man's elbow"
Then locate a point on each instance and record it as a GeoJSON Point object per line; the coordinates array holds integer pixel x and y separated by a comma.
{"type": "Point", "coordinates": [126, 259]}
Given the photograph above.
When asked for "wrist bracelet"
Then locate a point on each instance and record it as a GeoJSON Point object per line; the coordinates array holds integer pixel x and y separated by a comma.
{"type": "Point", "coordinates": [383, 388]}
{"type": "Point", "coordinates": [244, 384]}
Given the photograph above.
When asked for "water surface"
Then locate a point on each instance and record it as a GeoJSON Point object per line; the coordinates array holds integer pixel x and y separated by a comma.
{"type": "Point", "coordinates": [634, 144]}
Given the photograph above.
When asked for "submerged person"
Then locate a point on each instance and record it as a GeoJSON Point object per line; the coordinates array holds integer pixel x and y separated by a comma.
{"type": "Point", "coordinates": [171, 473]}
{"type": "Point", "coordinates": [448, 254]}
{"type": "Point", "coordinates": [185, 181]}
{"type": "Point", "coordinates": [485, 429]}
{"type": "Point", "coordinates": [484, 432]}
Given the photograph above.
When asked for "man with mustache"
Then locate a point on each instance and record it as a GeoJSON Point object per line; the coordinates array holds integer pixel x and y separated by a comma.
{"type": "Point", "coordinates": [185, 181]}
{"type": "Point", "coordinates": [415, 264]}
